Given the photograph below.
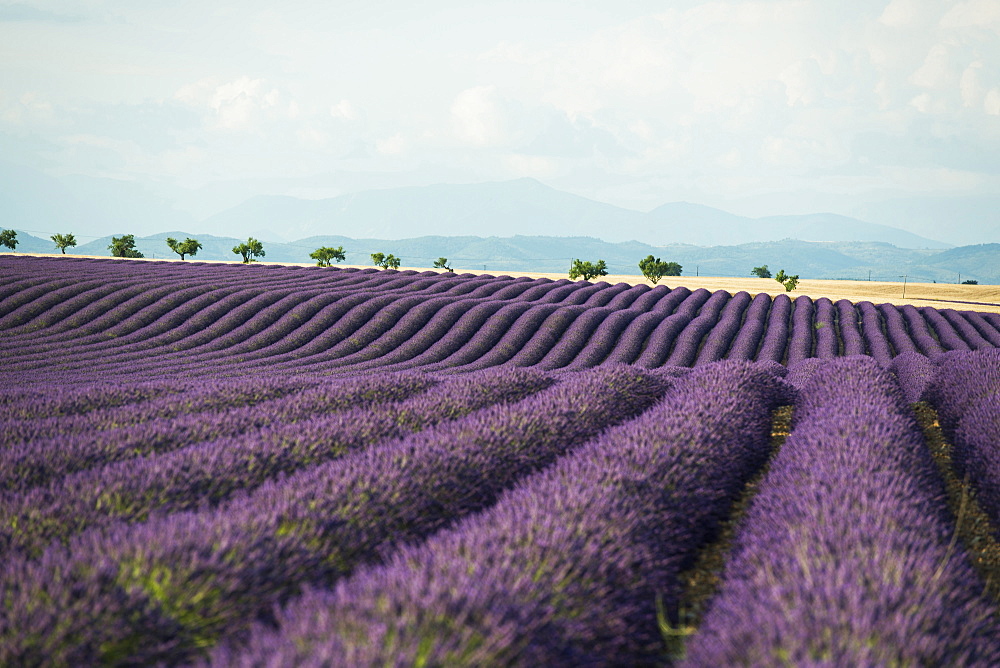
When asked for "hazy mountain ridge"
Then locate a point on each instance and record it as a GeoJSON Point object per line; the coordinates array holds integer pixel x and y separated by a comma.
{"type": "Point", "coordinates": [94, 207]}
{"type": "Point", "coordinates": [517, 254]}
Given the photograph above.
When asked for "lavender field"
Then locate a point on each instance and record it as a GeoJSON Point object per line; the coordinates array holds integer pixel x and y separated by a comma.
{"type": "Point", "coordinates": [256, 465]}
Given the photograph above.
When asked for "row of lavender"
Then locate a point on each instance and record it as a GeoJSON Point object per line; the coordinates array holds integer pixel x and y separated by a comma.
{"type": "Point", "coordinates": [501, 517]}
{"type": "Point", "coordinates": [304, 510]}
{"type": "Point", "coordinates": [167, 319]}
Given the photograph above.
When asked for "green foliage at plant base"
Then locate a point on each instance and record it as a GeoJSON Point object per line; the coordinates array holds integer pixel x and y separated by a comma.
{"type": "Point", "coordinates": [653, 268]}
{"type": "Point", "coordinates": [325, 255]}
{"type": "Point", "coordinates": [389, 261]}
{"type": "Point", "coordinates": [124, 246]}
{"type": "Point", "coordinates": [187, 247]}
{"type": "Point", "coordinates": [587, 270]}
{"type": "Point", "coordinates": [250, 249]}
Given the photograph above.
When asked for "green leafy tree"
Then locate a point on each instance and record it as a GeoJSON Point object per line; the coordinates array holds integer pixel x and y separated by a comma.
{"type": "Point", "coordinates": [63, 241]}
{"type": "Point", "coordinates": [761, 272]}
{"type": "Point", "coordinates": [8, 238]}
{"type": "Point", "coordinates": [250, 249]}
{"type": "Point", "coordinates": [587, 270]}
{"type": "Point", "coordinates": [389, 261]}
{"type": "Point", "coordinates": [971, 281]}
{"type": "Point", "coordinates": [442, 263]}
{"type": "Point", "coordinates": [124, 246]}
{"type": "Point", "coordinates": [187, 247]}
{"type": "Point", "coordinates": [325, 255]}
{"type": "Point", "coordinates": [654, 268]}
{"type": "Point", "coordinates": [786, 280]}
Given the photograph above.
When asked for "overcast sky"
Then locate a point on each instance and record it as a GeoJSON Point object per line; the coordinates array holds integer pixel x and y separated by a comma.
{"type": "Point", "coordinates": [756, 107]}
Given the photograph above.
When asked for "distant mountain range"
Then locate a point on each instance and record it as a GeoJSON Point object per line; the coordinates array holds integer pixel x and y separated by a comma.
{"type": "Point", "coordinates": [528, 207]}
{"type": "Point", "coordinates": [95, 207]}
{"type": "Point", "coordinates": [498, 255]}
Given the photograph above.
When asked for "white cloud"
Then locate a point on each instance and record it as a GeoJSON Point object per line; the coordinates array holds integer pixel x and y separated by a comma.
{"type": "Point", "coordinates": [974, 14]}
{"type": "Point", "coordinates": [345, 110]}
{"type": "Point", "coordinates": [237, 104]}
{"type": "Point", "coordinates": [991, 104]}
{"type": "Point", "coordinates": [482, 117]}
{"type": "Point", "coordinates": [394, 145]}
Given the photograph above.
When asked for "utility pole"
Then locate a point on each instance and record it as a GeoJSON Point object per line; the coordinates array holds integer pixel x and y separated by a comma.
{"type": "Point", "coordinates": [904, 285]}
{"type": "Point", "coordinates": [869, 275]}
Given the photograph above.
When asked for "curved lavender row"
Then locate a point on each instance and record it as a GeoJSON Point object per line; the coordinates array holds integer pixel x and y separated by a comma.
{"type": "Point", "coordinates": [851, 525]}
{"type": "Point", "coordinates": [827, 341]}
{"type": "Point", "coordinates": [632, 341]}
{"type": "Point", "coordinates": [744, 346]}
{"type": "Point", "coordinates": [984, 327]}
{"type": "Point", "coordinates": [895, 326]}
{"type": "Point", "coordinates": [658, 344]}
{"type": "Point", "coordinates": [168, 588]}
{"type": "Point", "coordinates": [114, 328]}
{"type": "Point", "coordinates": [688, 343]}
{"type": "Point", "coordinates": [39, 403]}
{"type": "Point", "coordinates": [449, 321]}
{"type": "Point", "coordinates": [207, 396]}
{"type": "Point", "coordinates": [800, 345]}
{"type": "Point", "coordinates": [21, 309]}
{"type": "Point", "coordinates": [595, 330]}
{"type": "Point", "coordinates": [222, 333]}
{"type": "Point", "coordinates": [965, 392]}
{"type": "Point", "coordinates": [567, 568]}
{"type": "Point", "coordinates": [429, 352]}
{"type": "Point", "coordinates": [571, 339]}
{"type": "Point", "coordinates": [604, 339]}
{"type": "Point", "coordinates": [977, 447]}
{"type": "Point", "coordinates": [723, 334]}
{"type": "Point", "coordinates": [39, 461]}
{"type": "Point", "coordinates": [920, 332]}
{"type": "Point", "coordinates": [850, 328]}
{"type": "Point", "coordinates": [381, 321]}
{"type": "Point", "coordinates": [946, 334]}
{"type": "Point", "coordinates": [875, 337]}
{"type": "Point", "coordinates": [231, 321]}
{"type": "Point", "coordinates": [207, 474]}
{"type": "Point", "coordinates": [71, 311]}
{"type": "Point", "coordinates": [915, 373]}
{"type": "Point", "coordinates": [772, 347]}
{"type": "Point", "coordinates": [965, 329]}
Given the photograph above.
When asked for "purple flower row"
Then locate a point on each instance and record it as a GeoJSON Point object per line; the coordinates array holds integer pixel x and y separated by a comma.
{"type": "Point", "coordinates": [846, 556]}
{"type": "Point", "coordinates": [966, 393]}
{"type": "Point", "coordinates": [207, 474]}
{"type": "Point", "coordinates": [569, 568]}
{"type": "Point", "coordinates": [168, 588]}
{"type": "Point", "coordinates": [37, 462]}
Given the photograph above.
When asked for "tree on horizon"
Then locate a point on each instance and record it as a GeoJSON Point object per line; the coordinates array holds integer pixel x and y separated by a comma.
{"type": "Point", "coordinates": [187, 247]}
{"type": "Point", "coordinates": [63, 241]}
{"type": "Point", "coordinates": [250, 249]}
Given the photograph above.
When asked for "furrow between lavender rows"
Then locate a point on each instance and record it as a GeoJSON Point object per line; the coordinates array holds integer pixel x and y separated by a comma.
{"type": "Point", "coordinates": [171, 587]}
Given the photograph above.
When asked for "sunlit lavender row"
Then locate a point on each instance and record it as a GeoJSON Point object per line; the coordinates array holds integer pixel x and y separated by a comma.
{"type": "Point", "coordinates": [268, 466]}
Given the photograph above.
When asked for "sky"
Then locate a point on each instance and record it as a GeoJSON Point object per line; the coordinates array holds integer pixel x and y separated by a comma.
{"type": "Point", "coordinates": [755, 107]}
